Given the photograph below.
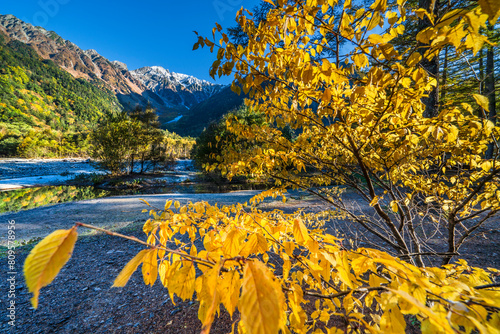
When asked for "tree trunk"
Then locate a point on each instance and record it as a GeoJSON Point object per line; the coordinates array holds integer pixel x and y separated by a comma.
{"type": "Point", "coordinates": [489, 90]}
{"type": "Point", "coordinates": [131, 164]}
{"type": "Point", "coordinates": [445, 75]}
{"type": "Point", "coordinates": [431, 66]}
{"type": "Point", "coordinates": [142, 162]}
{"type": "Point", "coordinates": [481, 72]}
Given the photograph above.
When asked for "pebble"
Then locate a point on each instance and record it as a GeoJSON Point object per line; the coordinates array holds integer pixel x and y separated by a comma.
{"type": "Point", "coordinates": [175, 311]}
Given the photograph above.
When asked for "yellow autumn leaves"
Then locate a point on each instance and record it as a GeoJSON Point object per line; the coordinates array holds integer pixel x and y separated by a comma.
{"type": "Point", "coordinates": [275, 264]}
{"type": "Point", "coordinates": [46, 260]}
{"type": "Point", "coordinates": [359, 124]}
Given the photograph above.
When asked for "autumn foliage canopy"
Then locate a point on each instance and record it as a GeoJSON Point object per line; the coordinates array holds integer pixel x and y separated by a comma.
{"type": "Point", "coordinates": [359, 126]}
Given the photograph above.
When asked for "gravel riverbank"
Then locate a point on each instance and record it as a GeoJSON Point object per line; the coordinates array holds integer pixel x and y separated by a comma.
{"type": "Point", "coordinates": [22, 173]}
{"type": "Point", "coordinates": [81, 299]}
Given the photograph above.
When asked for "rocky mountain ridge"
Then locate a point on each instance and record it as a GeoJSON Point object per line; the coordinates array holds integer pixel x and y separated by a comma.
{"type": "Point", "coordinates": [175, 88]}
{"type": "Point", "coordinates": [166, 91]}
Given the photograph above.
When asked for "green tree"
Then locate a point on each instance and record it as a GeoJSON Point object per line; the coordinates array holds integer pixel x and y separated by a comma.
{"type": "Point", "coordinates": [114, 143]}
{"type": "Point", "coordinates": [212, 141]}
{"type": "Point", "coordinates": [152, 153]}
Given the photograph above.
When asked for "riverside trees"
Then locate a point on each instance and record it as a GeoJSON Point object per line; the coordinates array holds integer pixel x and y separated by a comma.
{"type": "Point", "coordinates": [359, 122]}
{"type": "Point", "coordinates": [125, 143]}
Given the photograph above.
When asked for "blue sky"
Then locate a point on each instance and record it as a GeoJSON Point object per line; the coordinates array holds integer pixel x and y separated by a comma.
{"type": "Point", "coordinates": [136, 32]}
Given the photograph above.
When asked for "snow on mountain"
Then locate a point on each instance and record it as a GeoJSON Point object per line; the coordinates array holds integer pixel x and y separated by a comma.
{"type": "Point", "coordinates": [175, 89]}
{"type": "Point", "coordinates": [156, 86]}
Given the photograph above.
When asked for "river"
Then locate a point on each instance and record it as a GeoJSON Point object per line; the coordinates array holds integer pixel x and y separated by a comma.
{"type": "Point", "coordinates": [30, 183]}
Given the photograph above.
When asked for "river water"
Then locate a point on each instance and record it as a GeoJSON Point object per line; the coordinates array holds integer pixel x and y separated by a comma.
{"type": "Point", "coordinates": [30, 183]}
{"type": "Point", "coordinates": [27, 184]}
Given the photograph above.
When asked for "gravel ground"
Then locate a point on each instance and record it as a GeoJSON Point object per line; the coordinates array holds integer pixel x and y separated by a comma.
{"type": "Point", "coordinates": [81, 299]}
{"type": "Point", "coordinates": [111, 212]}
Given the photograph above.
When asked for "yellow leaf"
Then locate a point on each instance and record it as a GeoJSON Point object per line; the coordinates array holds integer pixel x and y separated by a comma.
{"type": "Point", "coordinates": [209, 297]}
{"type": "Point", "coordinates": [235, 88]}
{"type": "Point", "coordinates": [374, 201]}
{"type": "Point", "coordinates": [144, 201]}
{"type": "Point", "coordinates": [421, 12]}
{"type": "Point", "coordinates": [229, 290]}
{"type": "Point", "coordinates": [487, 165]}
{"type": "Point", "coordinates": [394, 206]}
{"type": "Point", "coordinates": [379, 5]}
{"type": "Point", "coordinates": [165, 270]}
{"type": "Point", "coordinates": [482, 101]}
{"type": "Point", "coordinates": [492, 8]}
{"type": "Point", "coordinates": [423, 309]}
{"type": "Point", "coordinates": [413, 59]}
{"type": "Point", "coordinates": [261, 301]}
{"type": "Point", "coordinates": [256, 244]}
{"type": "Point", "coordinates": [392, 321]}
{"type": "Point", "coordinates": [377, 39]}
{"type": "Point", "coordinates": [307, 75]}
{"type": "Point", "coordinates": [360, 60]}
{"type": "Point", "coordinates": [46, 260]}
{"type": "Point", "coordinates": [127, 271]}
{"type": "Point", "coordinates": [425, 35]}
{"type": "Point", "coordinates": [375, 20]}
{"type": "Point", "coordinates": [177, 205]}
{"type": "Point", "coordinates": [150, 267]}
{"type": "Point", "coordinates": [182, 281]}
{"type": "Point", "coordinates": [343, 268]}
{"type": "Point", "coordinates": [168, 204]}
{"type": "Point", "coordinates": [232, 243]}
{"type": "Point", "coordinates": [300, 232]}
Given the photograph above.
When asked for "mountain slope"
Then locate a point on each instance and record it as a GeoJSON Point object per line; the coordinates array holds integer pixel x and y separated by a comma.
{"type": "Point", "coordinates": [210, 110]}
{"type": "Point", "coordinates": [86, 64]}
{"type": "Point", "coordinates": [43, 108]}
{"type": "Point", "coordinates": [169, 94]}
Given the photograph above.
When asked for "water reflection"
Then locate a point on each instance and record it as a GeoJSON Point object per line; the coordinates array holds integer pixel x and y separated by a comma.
{"type": "Point", "coordinates": [29, 198]}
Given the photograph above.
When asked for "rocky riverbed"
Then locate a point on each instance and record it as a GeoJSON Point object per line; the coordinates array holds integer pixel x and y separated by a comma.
{"type": "Point", "coordinates": [21, 173]}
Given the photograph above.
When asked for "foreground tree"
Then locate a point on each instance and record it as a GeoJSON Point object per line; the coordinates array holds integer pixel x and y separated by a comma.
{"type": "Point", "coordinates": [362, 124]}
{"type": "Point", "coordinates": [361, 127]}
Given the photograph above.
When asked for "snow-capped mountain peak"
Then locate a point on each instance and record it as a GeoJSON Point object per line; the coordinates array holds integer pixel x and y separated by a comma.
{"type": "Point", "coordinates": [155, 85]}
{"type": "Point", "coordinates": [175, 88]}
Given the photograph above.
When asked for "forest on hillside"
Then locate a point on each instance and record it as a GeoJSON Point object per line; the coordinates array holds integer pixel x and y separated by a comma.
{"type": "Point", "coordinates": [44, 111]}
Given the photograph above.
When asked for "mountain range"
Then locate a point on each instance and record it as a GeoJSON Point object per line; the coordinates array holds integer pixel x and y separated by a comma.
{"type": "Point", "coordinates": [168, 92]}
